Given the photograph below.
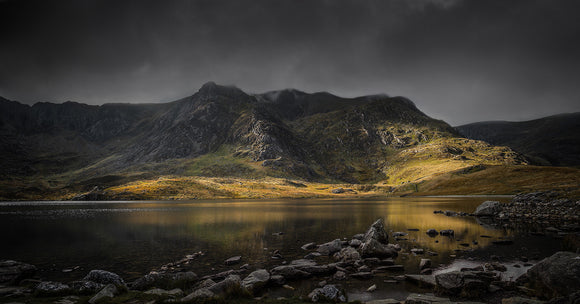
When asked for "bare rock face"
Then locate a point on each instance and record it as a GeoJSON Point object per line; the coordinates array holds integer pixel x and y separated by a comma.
{"type": "Point", "coordinates": [375, 242]}
{"type": "Point", "coordinates": [12, 272]}
{"type": "Point", "coordinates": [556, 276]}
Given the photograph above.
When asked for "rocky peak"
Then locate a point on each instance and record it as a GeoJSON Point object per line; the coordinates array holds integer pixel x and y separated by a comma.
{"type": "Point", "coordinates": [212, 91]}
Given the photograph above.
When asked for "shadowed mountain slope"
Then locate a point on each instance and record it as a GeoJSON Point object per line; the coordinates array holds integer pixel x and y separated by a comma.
{"type": "Point", "coordinates": [553, 140]}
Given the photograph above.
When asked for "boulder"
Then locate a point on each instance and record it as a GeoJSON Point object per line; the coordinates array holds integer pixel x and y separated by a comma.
{"type": "Point", "coordinates": [165, 280]}
{"type": "Point", "coordinates": [467, 284]}
{"type": "Point", "coordinates": [233, 260]}
{"type": "Point", "coordinates": [201, 293]}
{"type": "Point", "coordinates": [347, 255]}
{"type": "Point", "coordinates": [167, 293]}
{"type": "Point", "coordinates": [488, 208]}
{"type": "Point", "coordinates": [424, 264]}
{"type": "Point", "coordinates": [104, 277]}
{"type": "Point", "coordinates": [86, 287]}
{"type": "Point", "coordinates": [415, 298]}
{"type": "Point", "coordinates": [51, 288]}
{"type": "Point", "coordinates": [520, 300]}
{"type": "Point", "coordinates": [108, 291]}
{"type": "Point", "coordinates": [355, 243]}
{"type": "Point", "coordinates": [12, 272]}
{"type": "Point", "coordinates": [308, 246]}
{"type": "Point", "coordinates": [377, 232]}
{"type": "Point", "coordinates": [227, 286]}
{"type": "Point", "coordinates": [256, 280]}
{"type": "Point", "coordinates": [328, 293]}
{"type": "Point", "coordinates": [425, 281]}
{"type": "Point", "coordinates": [556, 276]}
{"type": "Point", "coordinates": [330, 247]}
{"type": "Point", "coordinates": [432, 232]}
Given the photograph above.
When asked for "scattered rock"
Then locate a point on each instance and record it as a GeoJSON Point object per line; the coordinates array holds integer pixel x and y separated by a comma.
{"type": "Point", "coordinates": [468, 284]}
{"type": "Point", "coordinates": [233, 260]}
{"type": "Point", "coordinates": [256, 280]}
{"type": "Point", "coordinates": [330, 247]}
{"type": "Point", "coordinates": [52, 288]}
{"type": "Point", "coordinates": [362, 275]}
{"type": "Point", "coordinates": [309, 246]}
{"type": "Point", "coordinates": [104, 277]}
{"type": "Point", "coordinates": [347, 255]}
{"type": "Point", "coordinates": [177, 292]}
{"type": "Point", "coordinates": [327, 293]}
{"type": "Point", "coordinates": [425, 263]}
{"type": "Point", "coordinates": [417, 250]}
{"type": "Point", "coordinates": [432, 232]}
{"type": "Point", "coordinates": [447, 232]}
{"type": "Point", "coordinates": [227, 286]}
{"type": "Point", "coordinates": [355, 243]}
{"type": "Point", "coordinates": [425, 299]}
{"type": "Point", "coordinates": [339, 276]}
{"type": "Point", "coordinates": [488, 208]}
{"type": "Point", "coordinates": [109, 291]}
{"type": "Point", "coordinates": [425, 281]}
{"type": "Point", "coordinates": [12, 272]}
{"type": "Point", "coordinates": [165, 280]}
{"type": "Point", "coordinates": [372, 288]}
{"type": "Point", "coordinates": [201, 293]}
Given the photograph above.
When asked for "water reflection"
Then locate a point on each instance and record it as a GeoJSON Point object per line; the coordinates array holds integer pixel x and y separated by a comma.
{"type": "Point", "coordinates": [133, 238]}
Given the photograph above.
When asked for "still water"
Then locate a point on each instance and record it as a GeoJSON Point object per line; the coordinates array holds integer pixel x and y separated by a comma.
{"type": "Point", "coordinates": [132, 238]}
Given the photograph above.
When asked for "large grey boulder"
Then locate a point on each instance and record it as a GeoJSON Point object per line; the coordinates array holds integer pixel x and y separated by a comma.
{"type": "Point", "coordinates": [556, 276]}
{"type": "Point", "coordinates": [104, 277]}
{"type": "Point", "coordinates": [328, 293]}
{"type": "Point", "coordinates": [256, 280]}
{"type": "Point", "coordinates": [12, 272]}
{"type": "Point", "coordinates": [201, 293]}
{"type": "Point", "coordinates": [488, 208]}
{"type": "Point", "coordinates": [375, 242]}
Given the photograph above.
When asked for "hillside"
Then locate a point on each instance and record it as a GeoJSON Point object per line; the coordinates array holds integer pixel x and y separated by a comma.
{"type": "Point", "coordinates": [224, 143]}
{"type": "Point", "coordinates": [553, 140]}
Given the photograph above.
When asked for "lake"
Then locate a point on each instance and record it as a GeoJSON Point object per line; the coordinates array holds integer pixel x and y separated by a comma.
{"type": "Point", "coordinates": [133, 238]}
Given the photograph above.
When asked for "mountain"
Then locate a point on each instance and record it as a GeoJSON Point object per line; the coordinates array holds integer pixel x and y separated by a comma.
{"type": "Point", "coordinates": [223, 142]}
{"type": "Point", "coordinates": [553, 140]}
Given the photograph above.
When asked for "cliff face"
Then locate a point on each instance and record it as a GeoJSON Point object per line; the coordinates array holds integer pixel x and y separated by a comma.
{"type": "Point", "coordinates": [218, 131]}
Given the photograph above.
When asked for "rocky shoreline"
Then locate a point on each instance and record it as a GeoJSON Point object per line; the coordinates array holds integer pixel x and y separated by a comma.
{"type": "Point", "coordinates": [363, 257]}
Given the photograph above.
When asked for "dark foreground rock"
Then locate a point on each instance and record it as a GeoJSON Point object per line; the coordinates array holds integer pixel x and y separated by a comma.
{"type": "Point", "coordinates": [556, 276]}
{"type": "Point", "coordinates": [12, 272]}
{"type": "Point", "coordinates": [464, 284]}
{"type": "Point", "coordinates": [104, 277]}
{"type": "Point", "coordinates": [328, 293]}
{"type": "Point", "coordinates": [375, 242]}
{"type": "Point", "coordinates": [165, 280]}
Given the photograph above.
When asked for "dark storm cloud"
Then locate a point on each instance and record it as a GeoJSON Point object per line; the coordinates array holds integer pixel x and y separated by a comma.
{"type": "Point", "coordinates": [459, 60]}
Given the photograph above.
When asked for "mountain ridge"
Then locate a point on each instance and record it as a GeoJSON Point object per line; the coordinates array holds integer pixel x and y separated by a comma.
{"type": "Point", "coordinates": [61, 150]}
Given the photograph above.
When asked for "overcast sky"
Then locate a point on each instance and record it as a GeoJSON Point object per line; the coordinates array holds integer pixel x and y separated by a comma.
{"type": "Point", "coordinates": [458, 60]}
